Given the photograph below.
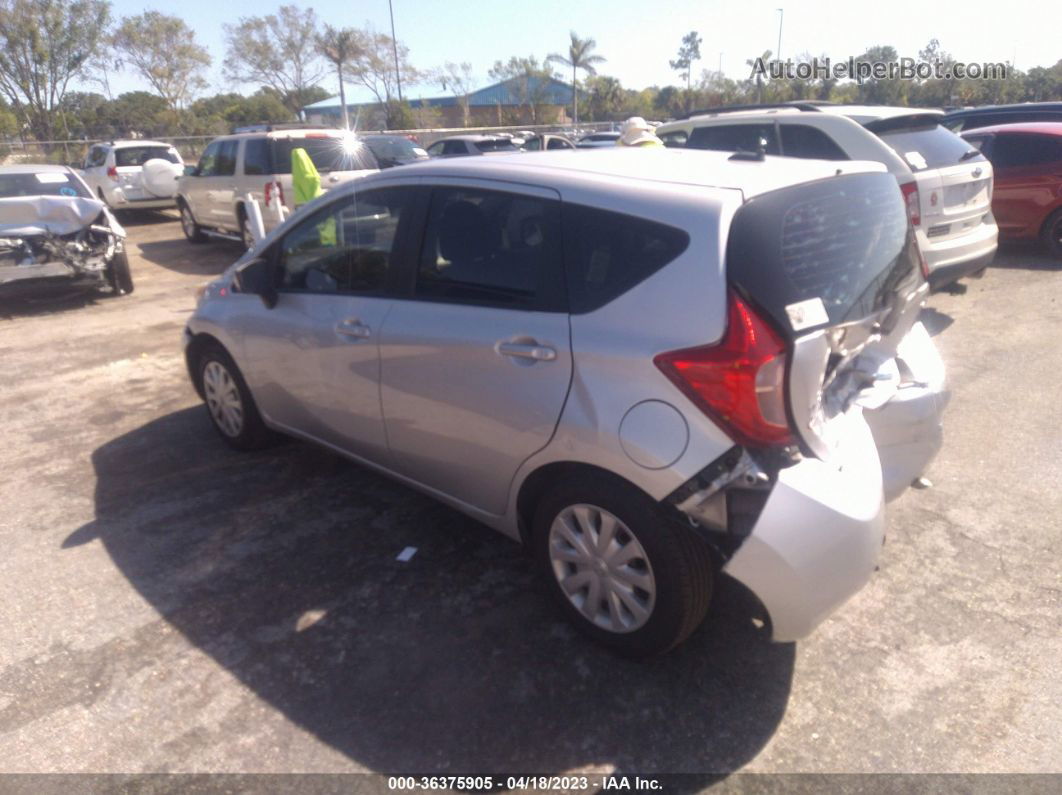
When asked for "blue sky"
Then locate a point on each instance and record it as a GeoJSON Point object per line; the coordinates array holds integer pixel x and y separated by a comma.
{"type": "Point", "coordinates": [639, 37]}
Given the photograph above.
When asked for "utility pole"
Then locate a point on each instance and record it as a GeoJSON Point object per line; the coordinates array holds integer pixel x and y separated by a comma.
{"type": "Point", "coordinates": [394, 44]}
{"type": "Point", "coordinates": [720, 64]}
{"type": "Point", "coordinates": [781, 16]}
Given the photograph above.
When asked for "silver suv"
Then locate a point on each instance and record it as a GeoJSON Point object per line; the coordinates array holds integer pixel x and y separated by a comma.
{"type": "Point", "coordinates": [946, 183]}
{"type": "Point", "coordinates": [213, 196]}
{"type": "Point", "coordinates": [643, 365]}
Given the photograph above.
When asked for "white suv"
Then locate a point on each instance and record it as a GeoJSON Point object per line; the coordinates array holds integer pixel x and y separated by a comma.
{"type": "Point", "coordinates": [946, 183]}
{"type": "Point", "coordinates": [256, 164]}
{"type": "Point", "coordinates": [130, 175]}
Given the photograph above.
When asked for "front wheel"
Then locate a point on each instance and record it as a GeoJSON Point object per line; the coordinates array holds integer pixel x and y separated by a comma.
{"type": "Point", "coordinates": [625, 573]}
{"type": "Point", "coordinates": [1051, 235]}
{"type": "Point", "coordinates": [229, 402]}
{"type": "Point", "coordinates": [119, 275]}
{"type": "Point", "coordinates": [191, 229]}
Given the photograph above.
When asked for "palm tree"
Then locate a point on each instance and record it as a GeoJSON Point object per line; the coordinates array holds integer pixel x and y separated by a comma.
{"type": "Point", "coordinates": [341, 48]}
{"type": "Point", "coordinates": [580, 56]}
{"type": "Point", "coordinates": [752, 62]}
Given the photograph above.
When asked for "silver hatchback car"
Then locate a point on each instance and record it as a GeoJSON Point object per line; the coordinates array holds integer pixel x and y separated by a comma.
{"type": "Point", "coordinates": [645, 365]}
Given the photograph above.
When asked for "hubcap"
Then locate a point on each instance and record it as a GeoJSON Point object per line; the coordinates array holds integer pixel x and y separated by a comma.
{"type": "Point", "coordinates": [223, 399]}
{"type": "Point", "coordinates": [601, 568]}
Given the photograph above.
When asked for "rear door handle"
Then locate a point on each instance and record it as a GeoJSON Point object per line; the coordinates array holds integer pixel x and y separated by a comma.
{"type": "Point", "coordinates": [352, 327]}
{"type": "Point", "coordinates": [521, 350]}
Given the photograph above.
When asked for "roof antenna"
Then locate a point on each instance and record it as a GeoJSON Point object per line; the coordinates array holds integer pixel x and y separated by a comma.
{"type": "Point", "coordinates": [758, 156]}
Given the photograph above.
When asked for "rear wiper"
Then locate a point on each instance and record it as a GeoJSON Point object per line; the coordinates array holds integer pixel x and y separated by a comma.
{"type": "Point", "coordinates": [967, 155]}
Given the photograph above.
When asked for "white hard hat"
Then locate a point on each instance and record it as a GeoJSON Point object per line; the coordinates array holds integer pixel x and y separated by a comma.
{"type": "Point", "coordinates": [636, 130]}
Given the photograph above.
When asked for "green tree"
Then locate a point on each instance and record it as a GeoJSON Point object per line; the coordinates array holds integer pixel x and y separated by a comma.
{"type": "Point", "coordinates": [375, 69]}
{"type": "Point", "coordinates": [44, 45]}
{"type": "Point", "coordinates": [133, 112]}
{"type": "Point", "coordinates": [277, 50]}
{"type": "Point", "coordinates": [528, 81]}
{"type": "Point", "coordinates": [882, 91]}
{"type": "Point", "coordinates": [758, 81]}
{"type": "Point", "coordinates": [341, 47]}
{"type": "Point", "coordinates": [689, 51]}
{"type": "Point", "coordinates": [580, 56]}
{"type": "Point", "coordinates": [459, 80]}
{"type": "Point", "coordinates": [162, 49]}
{"type": "Point", "coordinates": [606, 97]}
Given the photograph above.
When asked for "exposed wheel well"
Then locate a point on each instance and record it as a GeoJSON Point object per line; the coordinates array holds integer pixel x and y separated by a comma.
{"type": "Point", "coordinates": [536, 484]}
{"type": "Point", "coordinates": [192, 353]}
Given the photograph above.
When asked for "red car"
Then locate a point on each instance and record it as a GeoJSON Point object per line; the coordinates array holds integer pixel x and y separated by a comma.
{"type": "Point", "coordinates": [1027, 160]}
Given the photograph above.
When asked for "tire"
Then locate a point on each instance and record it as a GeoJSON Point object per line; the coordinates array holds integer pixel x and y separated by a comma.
{"type": "Point", "coordinates": [1051, 234]}
{"type": "Point", "coordinates": [229, 403]}
{"type": "Point", "coordinates": [119, 275]}
{"type": "Point", "coordinates": [191, 229]}
{"type": "Point", "coordinates": [670, 562]}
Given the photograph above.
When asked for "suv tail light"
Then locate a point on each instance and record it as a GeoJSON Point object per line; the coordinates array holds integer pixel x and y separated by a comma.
{"type": "Point", "coordinates": [270, 189]}
{"type": "Point", "coordinates": [740, 381]}
{"type": "Point", "coordinates": [910, 197]}
{"type": "Point", "coordinates": [112, 172]}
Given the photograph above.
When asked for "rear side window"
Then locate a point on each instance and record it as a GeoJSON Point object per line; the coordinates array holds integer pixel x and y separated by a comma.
{"type": "Point", "coordinates": [454, 148]}
{"type": "Point", "coordinates": [800, 140]}
{"type": "Point", "coordinates": [1015, 151]}
{"type": "Point", "coordinates": [491, 247]}
{"type": "Point", "coordinates": [328, 153]}
{"type": "Point", "coordinates": [138, 155]}
{"type": "Point", "coordinates": [607, 253]}
{"type": "Point", "coordinates": [843, 241]}
{"type": "Point", "coordinates": [930, 146]}
{"type": "Point", "coordinates": [256, 160]}
{"type": "Point", "coordinates": [735, 138]}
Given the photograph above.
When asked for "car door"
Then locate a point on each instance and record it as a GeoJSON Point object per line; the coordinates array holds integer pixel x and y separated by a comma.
{"type": "Point", "coordinates": [95, 169]}
{"type": "Point", "coordinates": [1028, 172]}
{"type": "Point", "coordinates": [313, 360]}
{"type": "Point", "coordinates": [220, 190]}
{"type": "Point", "coordinates": [476, 362]}
{"type": "Point", "coordinates": [197, 184]}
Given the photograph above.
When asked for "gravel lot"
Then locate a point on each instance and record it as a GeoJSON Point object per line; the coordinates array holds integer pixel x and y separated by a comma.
{"type": "Point", "coordinates": [169, 605]}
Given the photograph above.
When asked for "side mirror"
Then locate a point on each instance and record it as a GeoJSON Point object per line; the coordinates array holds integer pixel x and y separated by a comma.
{"type": "Point", "coordinates": [258, 277]}
{"type": "Point", "coordinates": [191, 171]}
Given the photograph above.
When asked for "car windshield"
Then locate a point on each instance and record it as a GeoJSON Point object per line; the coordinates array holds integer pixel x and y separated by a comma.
{"type": "Point", "coordinates": [496, 145]}
{"type": "Point", "coordinates": [929, 146]}
{"type": "Point", "coordinates": [138, 155]}
{"type": "Point", "coordinates": [328, 153]}
{"type": "Point", "coordinates": [43, 183]}
{"type": "Point", "coordinates": [392, 147]}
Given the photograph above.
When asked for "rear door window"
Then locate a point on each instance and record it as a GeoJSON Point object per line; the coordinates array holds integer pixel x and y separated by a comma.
{"type": "Point", "coordinates": [499, 145]}
{"type": "Point", "coordinates": [608, 253]}
{"type": "Point", "coordinates": [1016, 151]}
{"type": "Point", "coordinates": [801, 140]}
{"type": "Point", "coordinates": [927, 147]}
{"type": "Point", "coordinates": [735, 138]}
{"type": "Point", "coordinates": [559, 143]}
{"type": "Point", "coordinates": [225, 166]}
{"type": "Point", "coordinates": [491, 247]}
{"type": "Point", "coordinates": [209, 159]}
{"type": "Point", "coordinates": [256, 159]}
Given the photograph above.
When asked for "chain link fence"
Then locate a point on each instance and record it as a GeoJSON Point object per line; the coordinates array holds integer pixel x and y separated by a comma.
{"type": "Point", "coordinates": [74, 152]}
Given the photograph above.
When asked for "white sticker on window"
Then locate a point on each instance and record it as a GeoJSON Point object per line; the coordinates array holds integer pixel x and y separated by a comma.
{"type": "Point", "coordinates": [51, 177]}
{"type": "Point", "coordinates": [915, 160]}
{"type": "Point", "coordinates": [805, 314]}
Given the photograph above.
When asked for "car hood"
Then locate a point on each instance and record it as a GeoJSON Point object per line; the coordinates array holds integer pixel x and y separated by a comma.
{"type": "Point", "coordinates": [24, 216]}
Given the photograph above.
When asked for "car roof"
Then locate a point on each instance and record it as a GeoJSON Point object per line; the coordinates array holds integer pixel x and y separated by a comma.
{"type": "Point", "coordinates": [1025, 127]}
{"type": "Point", "coordinates": [129, 143]}
{"type": "Point", "coordinates": [865, 113]}
{"type": "Point", "coordinates": [675, 166]}
{"type": "Point", "coordinates": [34, 168]}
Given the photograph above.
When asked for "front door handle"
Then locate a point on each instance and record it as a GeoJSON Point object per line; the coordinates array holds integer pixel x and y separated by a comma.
{"type": "Point", "coordinates": [527, 350]}
{"type": "Point", "coordinates": [352, 327]}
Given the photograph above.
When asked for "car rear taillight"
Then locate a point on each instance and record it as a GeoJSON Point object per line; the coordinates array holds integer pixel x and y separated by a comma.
{"type": "Point", "coordinates": [112, 172]}
{"type": "Point", "coordinates": [740, 381]}
{"type": "Point", "coordinates": [270, 189]}
{"type": "Point", "coordinates": [910, 197]}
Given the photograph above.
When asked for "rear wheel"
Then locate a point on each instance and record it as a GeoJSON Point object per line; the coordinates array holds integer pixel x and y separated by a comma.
{"type": "Point", "coordinates": [624, 572]}
{"type": "Point", "coordinates": [119, 275]}
{"type": "Point", "coordinates": [191, 229]}
{"type": "Point", "coordinates": [229, 402]}
{"type": "Point", "coordinates": [1051, 235]}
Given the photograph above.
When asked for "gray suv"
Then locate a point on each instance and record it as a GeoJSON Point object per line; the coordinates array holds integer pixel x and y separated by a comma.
{"type": "Point", "coordinates": [644, 365]}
